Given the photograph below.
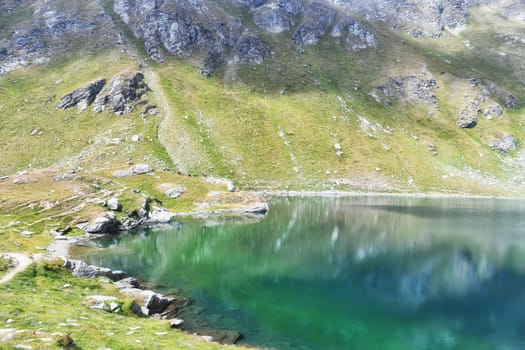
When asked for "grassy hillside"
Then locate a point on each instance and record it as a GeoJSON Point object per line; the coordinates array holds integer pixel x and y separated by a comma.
{"type": "Point", "coordinates": [277, 124]}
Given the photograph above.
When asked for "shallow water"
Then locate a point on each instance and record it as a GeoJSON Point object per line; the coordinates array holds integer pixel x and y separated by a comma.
{"type": "Point", "coordinates": [348, 272]}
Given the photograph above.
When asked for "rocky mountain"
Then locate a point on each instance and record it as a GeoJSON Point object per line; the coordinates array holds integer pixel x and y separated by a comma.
{"type": "Point", "coordinates": [351, 93]}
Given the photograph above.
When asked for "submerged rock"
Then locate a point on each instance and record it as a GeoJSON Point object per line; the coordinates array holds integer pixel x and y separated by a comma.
{"type": "Point", "coordinates": [220, 336]}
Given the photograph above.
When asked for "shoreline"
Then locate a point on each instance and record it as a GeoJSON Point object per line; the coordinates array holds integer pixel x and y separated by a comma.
{"type": "Point", "coordinates": [337, 193]}
{"type": "Point", "coordinates": [61, 246]}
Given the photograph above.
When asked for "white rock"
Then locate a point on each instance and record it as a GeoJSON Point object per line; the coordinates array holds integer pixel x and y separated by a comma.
{"type": "Point", "coordinates": [141, 169]}
{"type": "Point", "coordinates": [114, 204]}
{"type": "Point", "coordinates": [175, 192]}
{"type": "Point", "coordinates": [160, 216]}
{"type": "Point", "coordinates": [176, 323]}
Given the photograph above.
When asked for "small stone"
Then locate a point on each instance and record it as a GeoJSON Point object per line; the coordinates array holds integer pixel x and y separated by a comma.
{"type": "Point", "coordinates": [176, 323]}
{"type": "Point", "coordinates": [141, 169]}
{"type": "Point", "coordinates": [21, 180]}
{"type": "Point", "coordinates": [9, 321]}
{"type": "Point", "coordinates": [175, 192]}
{"type": "Point", "coordinates": [207, 338]}
{"type": "Point", "coordinates": [123, 173]}
{"type": "Point", "coordinates": [161, 333]}
{"type": "Point", "coordinates": [27, 233]}
{"type": "Point", "coordinates": [135, 138]}
{"type": "Point", "coordinates": [114, 307]}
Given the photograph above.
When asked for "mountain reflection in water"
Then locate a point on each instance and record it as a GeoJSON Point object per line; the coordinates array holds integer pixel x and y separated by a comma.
{"type": "Point", "coordinates": [348, 272]}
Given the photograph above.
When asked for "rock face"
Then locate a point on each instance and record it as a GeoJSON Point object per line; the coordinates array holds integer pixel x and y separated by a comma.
{"type": "Point", "coordinates": [122, 93]}
{"type": "Point", "coordinates": [418, 18]}
{"type": "Point", "coordinates": [468, 116]}
{"type": "Point", "coordinates": [317, 20]}
{"type": "Point", "coordinates": [413, 88]}
{"type": "Point", "coordinates": [187, 27]}
{"type": "Point", "coordinates": [82, 97]}
{"type": "Point", "coordinates": [50, 29]}
{"type": "Point", "coordinates": [355, 35]}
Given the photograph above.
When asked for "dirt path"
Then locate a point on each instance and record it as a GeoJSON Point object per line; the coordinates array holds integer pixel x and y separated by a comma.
{"type": "Point", "coordinates": [23, 262]}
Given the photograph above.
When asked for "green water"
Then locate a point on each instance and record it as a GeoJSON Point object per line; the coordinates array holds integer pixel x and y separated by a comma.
{"type": "Point", "coordinates": [348, 273]}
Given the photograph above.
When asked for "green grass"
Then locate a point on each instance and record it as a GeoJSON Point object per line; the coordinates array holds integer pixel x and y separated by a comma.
{"type": "Point", "coordinates": [36, 301]}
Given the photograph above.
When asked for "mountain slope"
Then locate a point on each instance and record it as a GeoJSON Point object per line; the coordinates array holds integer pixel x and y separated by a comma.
{"type": "Point", "coordinates": [307, 94]}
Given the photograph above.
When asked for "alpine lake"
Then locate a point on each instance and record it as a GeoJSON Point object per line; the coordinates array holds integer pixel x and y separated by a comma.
{"type": "Point", "coordinates": [345, 272]}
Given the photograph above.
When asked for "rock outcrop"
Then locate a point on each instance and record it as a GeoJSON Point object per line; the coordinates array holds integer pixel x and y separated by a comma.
{"type": "Point", "coordinates": [319, 17]}
{"type": "Point", "coordinates": [413, 88]}
{"type": "Point", "coordinates": [187, 28]}
{"type": "Point", "coordinates": [356, 36]}
{"type": "Point", "coordinates": [100, 225]}
{"type": "Point", "coordinates": [418, 18]}
{"type": "Point", "coordinates": [81, 269]}
{"type": "Point", "coordinates": [507, 143]}
{"type": "Point", "coordinates": [82, 97]}
{"type": "Point", "coordinates": [50, 29]}
{"type": "Point", "coordinates": [122, 94]}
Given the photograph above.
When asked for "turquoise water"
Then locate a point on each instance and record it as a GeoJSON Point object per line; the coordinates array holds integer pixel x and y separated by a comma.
{"type": "Point", "coordinates": [348, 272]}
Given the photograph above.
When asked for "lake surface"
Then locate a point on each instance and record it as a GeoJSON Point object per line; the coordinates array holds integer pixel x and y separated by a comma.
{"type": "Point", "coordinates": [372, 273]}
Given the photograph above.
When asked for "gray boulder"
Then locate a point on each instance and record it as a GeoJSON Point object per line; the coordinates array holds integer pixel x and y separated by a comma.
{"type": "Point", "coordinates": [159, 216]}
{"type": "Point", "coordinates": [468, 116]}
{"type": "Point", "coordinates": [129, 282]}
{"type": "Point", "coordinates": [258, 208]}
{"type": "Point", "coordinates": [140, 169]}
{"type": "Point", "coordinates": [81, 269]}
{"type": "Point", "coordinates": [157, 303]}
{"type": "Point", "coordinates": [507, 143]}
{"type": "Point", "coordinates": [174, 192]}
{"type": "Point", "coordinates": [114, 204]}
{"type": "Point", "coordinates": [82, 97]}
{"type": "Point", "coordinates": [100, 225]}
{"type": "Point", "coordinates": [414, 88]}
